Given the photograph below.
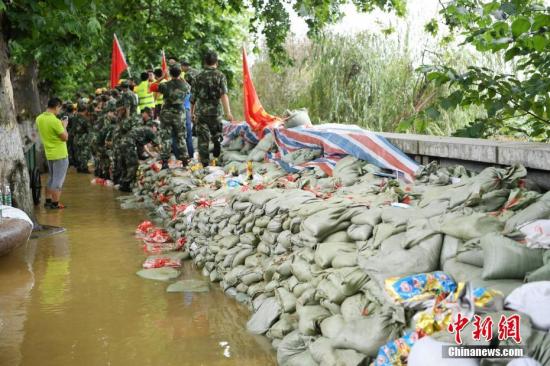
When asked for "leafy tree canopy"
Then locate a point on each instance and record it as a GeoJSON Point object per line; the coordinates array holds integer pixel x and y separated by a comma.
{"type": "Point", "coordinates": [71, 39]}
{"type": "Point", "coordinates": [518, 29]}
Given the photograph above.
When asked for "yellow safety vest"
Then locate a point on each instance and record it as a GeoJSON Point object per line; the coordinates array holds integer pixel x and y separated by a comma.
{"type": "Point", "coordinates": [144, 95]}
{"type": "Point", "coordinates": [159, 98]}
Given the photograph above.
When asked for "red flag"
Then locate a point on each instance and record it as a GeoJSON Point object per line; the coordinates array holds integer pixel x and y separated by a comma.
{"type": "Point", "coordinates": [118, 62]}
{"type": "Point", "coordinates": [254, 113]}
{"type": "Point", "coordinates": [163, 64]}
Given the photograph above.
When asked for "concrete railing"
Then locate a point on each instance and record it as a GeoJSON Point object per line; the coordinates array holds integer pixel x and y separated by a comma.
{"type": "Point", "coordinates": [477, 154]}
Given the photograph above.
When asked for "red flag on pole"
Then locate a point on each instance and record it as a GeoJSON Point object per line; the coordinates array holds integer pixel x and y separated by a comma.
{"type": "Point", "coordinates": [254, 112]}
{"type": "Point", "coordinates": [118, 62]}
{"type": "Point", "coordinates": [163, 64]}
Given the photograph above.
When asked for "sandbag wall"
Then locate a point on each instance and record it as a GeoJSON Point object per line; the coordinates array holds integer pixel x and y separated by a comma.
{"type": "Point", "coordinates": [311, 255]}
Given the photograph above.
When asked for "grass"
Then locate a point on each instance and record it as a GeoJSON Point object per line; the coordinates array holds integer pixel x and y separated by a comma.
{"type": "Point", "coordinates": [363, 79]}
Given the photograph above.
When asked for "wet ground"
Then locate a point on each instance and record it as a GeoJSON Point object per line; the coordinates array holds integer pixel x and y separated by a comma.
{"type": "Point", "coordinates": [74, 298]}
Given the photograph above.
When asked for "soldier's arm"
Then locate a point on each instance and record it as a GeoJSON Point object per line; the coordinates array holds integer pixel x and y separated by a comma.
{"type": "Point", "coordinates": [225, 99]}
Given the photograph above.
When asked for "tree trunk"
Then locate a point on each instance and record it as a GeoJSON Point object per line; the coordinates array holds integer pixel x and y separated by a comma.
{"type": "Point", "coordinates": [26, 98]}
{"type": "Point", "coordinates": [13, 167]}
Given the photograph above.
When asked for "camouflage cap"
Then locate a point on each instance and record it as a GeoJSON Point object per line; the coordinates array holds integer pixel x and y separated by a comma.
{"type": "Point", "coordinates": [124, 84]}
{"type": "Point", "coordinates": [110, 106]}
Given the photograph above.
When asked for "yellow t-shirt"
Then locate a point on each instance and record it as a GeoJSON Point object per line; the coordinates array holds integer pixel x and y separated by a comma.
{"type": "Point", "coordinates": [49, 128]}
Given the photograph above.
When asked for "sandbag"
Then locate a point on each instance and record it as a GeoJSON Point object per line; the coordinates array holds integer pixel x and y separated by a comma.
{"type": "Point", "coordinates": [505, 258]}
{"type": "Point", "coordinates": [540, 274]}
{"type": "Point", "coordinates": [326, 252]}
{"type": "Point", "coordinates": [538, 347]}
{"type": "Point", "coordinates": [353, 307]}
{"type": "Point", "coordinates": [532, 299]}
{"type": "Point", "coordinates": [286, 324]}
{"type": "Point", "coordinates": [538, 210]}
{"type": "Point", "coordinates": [297, 118]}
{"type": "Point", "coordinates": [348, 170]}
{"type": "Point", "coordinates": [367, 334]}
{"type": "Point", "coordinates": [370, 217]}
{"type": "Point", "coordinates": [189, 286]}
{"type": "Point", "coordinates": [159, 274]}
{"type": "Point", "coordinates": [359, 232]}
{"type": "Point", "coordinates": [264, 317]}
{"type": "Point", "coordinates": [449, 248]}
{"type": "Point", "coordinates": [291, 345]}
{"type": "Point", "coordinates": [471, 226]}
{"type": "Point", "coordinates": [310, 317]}
{"type": "Point", "coordinates": [331, 326]}
{"type": "Point", "coordinates": [286, 299]}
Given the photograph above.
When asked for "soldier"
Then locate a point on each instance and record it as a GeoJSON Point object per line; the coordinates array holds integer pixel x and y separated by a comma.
{"type": "Point", "coordinates": [128, 96]}
{"type": "Point", "coordinates": [190, 72]}
{"type": "Point", "coordinates": [102, 158]}
{"type": "Point", "coordinates": [133, 145]}
{"type": "Point", "coordinates": [210, 88]}
{"type": "Point", "coordinates": [81, 141]}
{"type": "Point", "coordinates": [171, 116]}
{"type": "Point", "coordinates": [126, 122]}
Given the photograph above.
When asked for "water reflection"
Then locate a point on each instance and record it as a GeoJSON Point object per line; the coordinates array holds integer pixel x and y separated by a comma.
{"type": "Point", "coordinates": [73, 298]}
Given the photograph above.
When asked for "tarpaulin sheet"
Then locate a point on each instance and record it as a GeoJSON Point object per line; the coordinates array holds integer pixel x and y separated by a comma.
{"type": "Point", "coordinates": [335, 141]}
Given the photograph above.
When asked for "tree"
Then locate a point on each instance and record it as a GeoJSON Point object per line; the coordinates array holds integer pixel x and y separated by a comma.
{"type": "Point", "coordinates": [518, 29]}
{"type": "Point", "coordinates": [13, 169]}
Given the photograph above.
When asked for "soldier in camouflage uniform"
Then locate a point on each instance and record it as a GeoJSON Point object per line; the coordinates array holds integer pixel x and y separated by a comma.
{"type": "Point", "coordinates": [81, 142]}
{"type": "Point", "coordinates": [128, 96]}
{"type": "Point", "coordinates": [171, 116]}
{"type": "Point", "coordinates": [209, 89]}
{"type": "Point", "coordinates": [126, 122]}
{"type": "Point", "coordinates": [106, 127]}
{"type": "Point", "coordinates": [132, 144]}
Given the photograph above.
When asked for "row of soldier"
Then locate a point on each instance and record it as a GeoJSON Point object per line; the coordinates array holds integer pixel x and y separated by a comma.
{"type": "Point", "coordinates": [119, 127]}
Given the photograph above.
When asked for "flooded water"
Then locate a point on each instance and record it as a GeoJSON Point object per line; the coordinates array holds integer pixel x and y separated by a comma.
{"type": "Point", "coordinates": [74, 298]}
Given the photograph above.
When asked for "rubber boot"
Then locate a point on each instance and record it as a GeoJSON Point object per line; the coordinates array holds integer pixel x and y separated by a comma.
{"type": "Point", "coordinates": [165, 165]}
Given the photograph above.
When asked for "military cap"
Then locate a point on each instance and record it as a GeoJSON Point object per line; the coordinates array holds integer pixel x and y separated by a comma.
{"type": "Point", "coordinates": [124, 84]}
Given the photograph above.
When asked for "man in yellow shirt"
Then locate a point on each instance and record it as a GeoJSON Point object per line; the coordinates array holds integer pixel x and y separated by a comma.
{"type": "Point", "coordinates": [53, 133]}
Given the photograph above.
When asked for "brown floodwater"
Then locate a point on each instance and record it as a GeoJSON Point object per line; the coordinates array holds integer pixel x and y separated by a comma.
{"type": "Point", "coordinates": [74, 298]}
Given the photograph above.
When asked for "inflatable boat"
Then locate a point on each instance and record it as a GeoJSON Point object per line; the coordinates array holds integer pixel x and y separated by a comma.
{"type": "Point", "coordinates": [15, 229]}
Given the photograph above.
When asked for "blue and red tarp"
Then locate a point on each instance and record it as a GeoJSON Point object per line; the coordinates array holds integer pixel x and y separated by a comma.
{"type": "Point", "coordinates": [335, 142]}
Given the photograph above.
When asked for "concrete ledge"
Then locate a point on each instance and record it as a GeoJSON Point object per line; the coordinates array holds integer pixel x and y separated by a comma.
{"type": "Point", "coordinates": [530, 155]}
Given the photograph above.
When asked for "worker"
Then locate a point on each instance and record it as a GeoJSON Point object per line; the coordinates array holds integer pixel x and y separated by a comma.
{"type": "Point", "coordinates": [145, 97]}
{"type": "Point", "coordinates": [209, 89]}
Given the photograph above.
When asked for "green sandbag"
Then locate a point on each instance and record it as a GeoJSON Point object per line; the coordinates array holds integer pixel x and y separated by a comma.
{"type": "Point", "coordinates": [366, 335]}
{"type": "Point", "coordinates": [470, 252]}
{"type": "Point", "coordinates": [461, 272]}
{"type": "Point", "coordinates": [370, 217]}
{"type": "Point", "coordinates": [538, 210]}
{"type": "Point", "coordinates": [286, 324]}
{"type": "Point", "coordinates": [310, 317]}
{"type": "Point", "coordinates": [449, 248]}
{"type": "Point", "coordinates": [159, 274]}
{"type": "Point", "coordinates": [506, 259]}
{"type": "Point", "coordinates": [301, 156]}
{"type": "Point", "coordinates": [189, 286]}
{"type": "Point", "coordinates": [348, 170]}
{"type": "Point", "coordinates": [326, 252]}
{"type": "Point", "coordinates": [326, 222]}
{"type": "Point", "coordinates": [538, 346]}
{"type": "Point", "coordinates": [471, 226]}
{"type": "Point", "coordinates": [541, 274]}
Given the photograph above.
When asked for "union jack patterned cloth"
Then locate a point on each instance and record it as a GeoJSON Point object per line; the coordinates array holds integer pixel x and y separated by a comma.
{"type": "Point", "coordinates": [335, 142]}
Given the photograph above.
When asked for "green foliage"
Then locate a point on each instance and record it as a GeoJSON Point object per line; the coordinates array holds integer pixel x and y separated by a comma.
{"type": "Point", "coordinates": [364, 79]}
{"type": "Point", "coordinates": [519, 31]}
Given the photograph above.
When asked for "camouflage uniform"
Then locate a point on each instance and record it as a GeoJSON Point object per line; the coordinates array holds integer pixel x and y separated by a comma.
{"type": "Point", "coordinates": [190, 76]}
{"type": "Point", "coordinates": [102, 157]}
{"type": "Point", "coordinates": [171, 118]}
{"type": "Point", "coordinates": [131, 144]}
{"type": "Point", "coordinates": [128, 99]}
{"type": "Point", "coordinates": [81, 142]}
{"type": "Point", "coordinates": [209, 86]}
{"type": "Point", "coordinates": [120, 135]}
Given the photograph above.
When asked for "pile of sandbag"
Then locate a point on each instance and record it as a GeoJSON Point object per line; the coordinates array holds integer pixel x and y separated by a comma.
{"type": "Point", "coordinates": [315, 257]}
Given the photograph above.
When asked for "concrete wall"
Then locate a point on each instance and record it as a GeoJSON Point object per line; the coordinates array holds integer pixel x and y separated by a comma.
{"type": "Point", "coordinates": [476, 154]}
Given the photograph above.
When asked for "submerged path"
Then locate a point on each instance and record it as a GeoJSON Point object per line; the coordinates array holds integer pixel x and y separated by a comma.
{"type": "Point", "coordinates": [74, 299]}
